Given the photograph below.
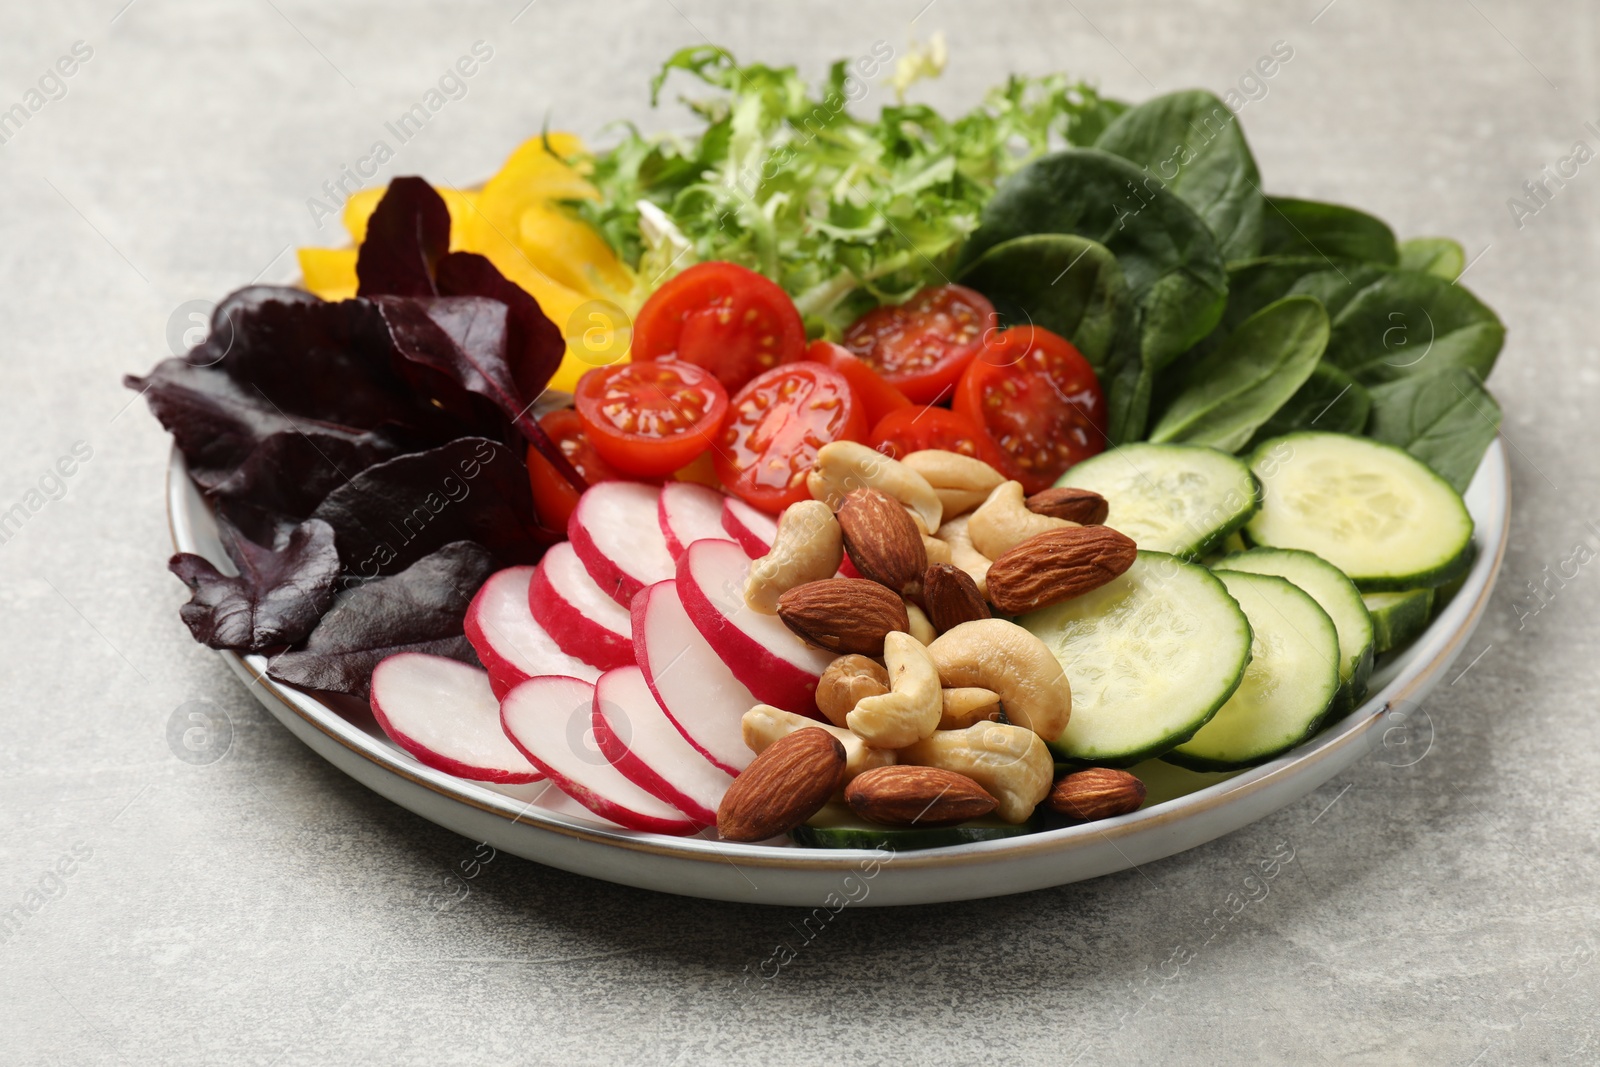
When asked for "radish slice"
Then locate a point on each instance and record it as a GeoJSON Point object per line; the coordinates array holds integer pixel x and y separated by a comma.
{"type": "Point", "coordinates": [615, 532]}
{"type": "Point", "coordinates": [509, 641]}
{"type": "Point", "coordinates": [778, 667]}
{"type": "Point", "coordinates": [645, 745]}
{"type": "Point", "coordinates": [691, 683]}
{"type": "Point", "coordinates": [582, 619]}
{"type": "Point", "coordinates": [754, 530]}
{"type": "Point", "coordinates": [550, 721]}
{"type": "Point", "coordinates": [443, 712]}
{"type": "Point", "coordinates": [689, 513]}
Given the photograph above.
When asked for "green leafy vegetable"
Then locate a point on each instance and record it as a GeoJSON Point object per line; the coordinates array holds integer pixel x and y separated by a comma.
{"type": "Point", "coordinates": [1329, 400]}
{"type": "Point", "coordinates": [1447, 419]}
{"type": "Point", "coordinates": [1068, 284]}
{"type": "Point", "coordinates": [1439, 256]}
{"type": "Point", "coordinates": [1254, 284]}
{"type": "Point", "coordinates": [1248, 377]}
{"type": "Point", "coordinates": [844, 212]}
{"type": "Point", "coordinates": [1191, 143]}
{"type": "Point", "coordinates": [1399, 323]}
{"type": "Point", "coordinates": [1332, 231]}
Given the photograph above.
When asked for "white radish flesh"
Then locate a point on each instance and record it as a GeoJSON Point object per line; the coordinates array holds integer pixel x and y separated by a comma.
{"type": "Point", "coordinates": [511, 643]}
{"type": "Point", "coordinates": [616, 533]}
{"type": "Point", "coordinates": [584, 621]}
{"type": "Point", "coordinates": [754, 530]}
{"type": "Point", "coordinates": [645, 745]}
{"type": "Point", "coordinates": [444, 713]}
{"type": "Point", "coordinates": [689, 513]}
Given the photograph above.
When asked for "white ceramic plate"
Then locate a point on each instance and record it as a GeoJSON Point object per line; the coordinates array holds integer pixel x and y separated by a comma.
{"type": "Point", "coordinates": [1182, 811]}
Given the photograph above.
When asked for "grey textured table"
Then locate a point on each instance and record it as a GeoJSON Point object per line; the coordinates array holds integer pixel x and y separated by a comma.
{"type": "Point", "coordinates": [265, 909]}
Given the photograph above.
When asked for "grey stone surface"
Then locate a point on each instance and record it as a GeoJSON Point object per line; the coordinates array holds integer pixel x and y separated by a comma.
{"type": "Point", "coordinates": [264, 909]}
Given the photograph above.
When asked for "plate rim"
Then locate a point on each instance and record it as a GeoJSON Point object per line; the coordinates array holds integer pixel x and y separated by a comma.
{"type": "Point", "coordinates": [1328, 746]}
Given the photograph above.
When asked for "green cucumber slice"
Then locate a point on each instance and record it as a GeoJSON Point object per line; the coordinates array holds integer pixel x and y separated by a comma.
{"type": "Point", "coordinates": [1181, 499]}
{"type": "Point", "coordinates": [1397, 618]}
{"type": "Point", "coordinates": [1369, 509]}
{"type": "Point", "coordinates": [1288, 687]}
{"type": "Point", "coordinates": [1151, 656]}
{"type": "Point", "coordinates": [836, 826]}
{"type": "Point", "coordinates": [1335, 594]}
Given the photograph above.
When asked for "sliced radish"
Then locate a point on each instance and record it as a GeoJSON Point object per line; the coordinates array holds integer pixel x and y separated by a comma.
{"type": "Point", "coordinates": [443, 712]}
{"type": "Point", "coordinates": [511, 643]}
{"type": "Point", "coordinates": [754, 530]}
{"type": "Point", "coordinates": [551, 721]}
{"type": "Point", "coordinates": [644, 744]}
{"type": "Point", "coordinates": [776, 666]}
{"type": "Point", "coordinates": [691, 683]}
{"type": "Point", "coordinates": [617, 535]}
{"type": "Point", "coordinates": [689, 513]}
{"type": "Point", "coordinates": [584, 621]}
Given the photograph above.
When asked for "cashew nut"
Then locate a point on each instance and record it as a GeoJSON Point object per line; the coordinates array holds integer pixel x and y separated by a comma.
{"type": "Point", "coordinates": [1013, 764]}
{"type": "Point", "coordinates": [921, 627]}
{"type": "Point", "coordinates": [968, 705]}
{"type": "Point", "coordinates": [764, 724]}
{"type": "Point", "coordinates": [937, 550]}
{"type": "Point", "coordinates": [848, 680]}
{"type": "Point", "coordinates": [961, 482]}
{"type": "Point", "coordinates": [807, 548]}
{"type": "Point", "coordinates": [845, 466]}
{"type": "Point", "coordinates": [1020, 668]}
{"type": "Point", "coordinates": [910, 710]}
{"type": "Point", "coordinates": [955, 534]}
{"type": "Point", "coordinates": [1003, 522]}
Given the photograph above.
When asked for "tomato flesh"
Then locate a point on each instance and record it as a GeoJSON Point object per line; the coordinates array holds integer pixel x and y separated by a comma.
{"type": "Point", "coordinates": [731, 321]}
{"type": "Point", "coordinates": [921, 346]}
{"type": "Point", "coordinates": [877, 396]}
{"type": "Point", "coordinates": [916, 428]}
{"type": "Point", "coordinates": [775, 427]}
{"type": "Point", "coordinates": [553, 496]}
{"type": "Point", "coordinates": [650, 418]}
{"type": "Point", "coordinates": [1033, 393]}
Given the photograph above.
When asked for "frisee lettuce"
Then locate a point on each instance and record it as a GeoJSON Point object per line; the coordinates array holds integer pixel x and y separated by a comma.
{"type": "Point", "coordinates": [844, 212]}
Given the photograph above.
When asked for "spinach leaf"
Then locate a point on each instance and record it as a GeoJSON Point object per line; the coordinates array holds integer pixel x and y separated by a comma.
{"type": "Point", "coordinates": [1330, 400]}
{"type": "Point", "coordinates": [1439, 256]}
{"type": "Point", "coordinates": [1312, 228]}
{"type": "Point", "coordinates": [1175, 274]}
{"type": "Point", "coordinates": [1192, 144]}
{"type": "Point", "coordinates": [1390, 324]}
{"type": "Point", "coordinates": [1254, 284]}
{"type": "Point", "coordinates": [1446, 419]}
{"type": "Point", "coordinates": [1067, 284]}
{"type": "Point", "coordinates": [1249, 376]}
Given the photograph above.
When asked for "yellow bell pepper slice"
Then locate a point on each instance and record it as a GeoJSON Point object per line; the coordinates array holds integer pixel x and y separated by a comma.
{"type": "Point", "coordinates": [573, 253]}
{"type": "Point", "coordinates": [329, 272]}
{"type": "Point", "coordinates": [359, 208]}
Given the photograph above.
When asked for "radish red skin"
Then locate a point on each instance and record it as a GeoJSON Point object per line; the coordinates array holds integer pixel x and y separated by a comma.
{"type": "Point", "coordinates": [504, 672]}
{"type": "Point", "coordinates": [636, 759]}
{"type": "Point", "coordinates": [752, 529]}
{"type": "Point", "coordinates": [688, 513]}
{"type": "Point", "coordinates": [432, 757]}
{"type": "Point", "coordinates": [634, 561]}
{"type": "Point", "coordinates": [575, 633]}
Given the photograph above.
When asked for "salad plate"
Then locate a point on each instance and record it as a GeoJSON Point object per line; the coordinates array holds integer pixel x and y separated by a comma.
{"type": "Point", "coordinates": [1183, 809]}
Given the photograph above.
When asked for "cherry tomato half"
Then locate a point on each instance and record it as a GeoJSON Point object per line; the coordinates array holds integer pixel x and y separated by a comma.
{"type": "Point", "coordinates": [922, 346]}
{"type": "Point", "coordinates": [553, 495]}
{"type": "Point", "coordinates": [1035, 394]}
{"type": "Point", "coordinates": [733, 322]}
{"type": "Point", "coordinates": [916, 428]}
{"type": "Point", "coordinates": [877, 396]}
{"type": "Point", "coordinates": [650, 418]}
{"type": "Point", "coordinates": [775, 427]}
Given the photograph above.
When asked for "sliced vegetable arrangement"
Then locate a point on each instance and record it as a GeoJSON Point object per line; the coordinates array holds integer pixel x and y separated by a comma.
{"type": "Point", "coordinates": [906, 481]}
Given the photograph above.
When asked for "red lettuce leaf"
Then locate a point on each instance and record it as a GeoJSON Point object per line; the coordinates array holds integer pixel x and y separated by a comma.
{"type": "Point", "coordinates": [535, 345]}
{"type": "Point", "coordinates": [281, 483]}
{"type": "Point", "coordinates": [275, 599]}
{"type": "Point", "coordinates": [408, 233]}
{"type": "Point", "coordinates": [473, 489]}
{"type": "Point", "coordinates": [420, 609]}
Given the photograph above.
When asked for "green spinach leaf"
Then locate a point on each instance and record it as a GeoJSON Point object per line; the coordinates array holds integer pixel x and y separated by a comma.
{"type": "Point", "coordinates": [1248, 377]}
{"type": "Point", "coordinates": [1330, 400]}
{"type": "Point", "coordinates": [1312, 228]}
{"type": "Point", "coordinates": [1439, 256]}
{"type": "Point", "coordinates": [1068, 284]}
{"type": "Point", "coordinates": [1447, 419]}
{"type": "Point", "coordinates": [1191, 143]}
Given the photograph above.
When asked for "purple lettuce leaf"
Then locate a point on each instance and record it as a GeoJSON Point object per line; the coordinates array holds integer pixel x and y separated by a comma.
{"type": "Point", "coordinates": [275, 599]}
{"type": "Point", "coordinates": [284, 479]}
{"type": "Point", "coordinates": [408, 233]}
{"type": "Point", "coordinates": [420, 609]}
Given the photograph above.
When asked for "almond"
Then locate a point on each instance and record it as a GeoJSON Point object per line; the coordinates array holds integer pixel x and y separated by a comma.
{"type": "Point", "coordinates": [1057, 566]}
{"type": "Point", "coordinates": [844, 615]}
{"type": "Point", "coordinates": [882, 540]}
{"type": "Point", "coordinates": [1082, 506]}
{"type": "Point", "coordinates": [1097, 793]}
{"type": "Point", "coordinates": [917, 796]}
{"type": "Point", "coordinates": [951, 597]}
{"type": "Point", "coordinates": [782, 787]}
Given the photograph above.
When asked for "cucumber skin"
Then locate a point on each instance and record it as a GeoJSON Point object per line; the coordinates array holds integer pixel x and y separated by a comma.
{"type": "Point", "coordinates": [898, 838]}
{"type": "Point", "coordinates": [1402, 622]}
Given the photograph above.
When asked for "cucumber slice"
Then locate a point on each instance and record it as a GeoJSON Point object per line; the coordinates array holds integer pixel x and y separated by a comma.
{"type": "Point", "coordinates": [836, 826]}
{"type": "Point", "coordinates": [1182, 499]}
{"type": "Point", "coordinates": [1369, 509]}
{"type": "Point", "coordinates": [1397, 618]}
{"type": "Point", "coordinates": [1288, 687]}
{"type": "Point", "coordinates": [1335, 594]}
{"type": "Point", "coordinates": [1151, 656]}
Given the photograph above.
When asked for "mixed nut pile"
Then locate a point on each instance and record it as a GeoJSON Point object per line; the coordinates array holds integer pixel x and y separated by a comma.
{"type": "Point", "coordinates": [940, 711]}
